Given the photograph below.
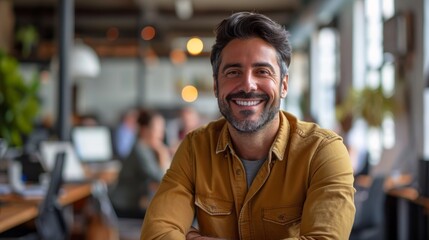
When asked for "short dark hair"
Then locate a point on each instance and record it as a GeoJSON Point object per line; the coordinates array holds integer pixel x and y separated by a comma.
{"type": "Point", "coordinates": [145, 117]}
{"type": "Point", "coordinates": [246, 25]}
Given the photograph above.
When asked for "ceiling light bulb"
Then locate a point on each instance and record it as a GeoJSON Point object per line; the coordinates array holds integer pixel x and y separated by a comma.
{"type": "Point", "coordinates": [189, 93]}
{"type": "Point", "coordinates": [195, 46]}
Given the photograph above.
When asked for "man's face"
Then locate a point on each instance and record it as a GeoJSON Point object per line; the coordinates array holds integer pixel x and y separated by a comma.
{"type": "Point", "coordinates": [249, 87]}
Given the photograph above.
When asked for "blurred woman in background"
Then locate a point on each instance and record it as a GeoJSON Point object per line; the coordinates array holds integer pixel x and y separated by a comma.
{"type": "Point", "coordinates": [143, 169]}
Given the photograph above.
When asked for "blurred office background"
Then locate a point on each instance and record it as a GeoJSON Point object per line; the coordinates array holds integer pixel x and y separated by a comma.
{"type": "Point", "coordinates": [359, 67]}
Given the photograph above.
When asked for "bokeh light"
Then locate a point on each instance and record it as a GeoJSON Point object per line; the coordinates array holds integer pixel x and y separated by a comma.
{"type": "Point", "coordinates": [148, 33]}
{"type": "Point", "coordinates": [112, 33]}
{"type": "Point", "coordinates": [189, 93]}
{"type": "Point", "coordinates": [177, 56]}
{"type": "Point", "coordinates": [195, 46]}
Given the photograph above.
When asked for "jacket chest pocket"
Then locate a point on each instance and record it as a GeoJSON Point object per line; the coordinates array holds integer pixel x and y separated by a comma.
{"type": "Point", "coordinates": [215, 217]}
{"type": "Point", "coordinates": [281, 222]}
{"type": "Point", "coordinates": [213, 207]}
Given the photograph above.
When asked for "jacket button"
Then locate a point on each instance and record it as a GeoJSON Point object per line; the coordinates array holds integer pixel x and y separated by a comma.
{"type": "Point", "coordinates": [238, 171]}
{"type": "Point", "coordinates": [281, 217]}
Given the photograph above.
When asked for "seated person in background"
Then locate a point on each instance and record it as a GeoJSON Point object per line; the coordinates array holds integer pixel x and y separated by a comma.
{"type": "Point", "coordinates": [43, 130]}
{"type": "Point", "coordinates": [259, 172]}
{"type": "Point", "coordinates": [189, 119]}
{"type": "Point", "coordinates": [125, 133]}
{"type": "Point", "coordinates": [143, 169]}
{"type": "Point", "coordinates": [85, 120]}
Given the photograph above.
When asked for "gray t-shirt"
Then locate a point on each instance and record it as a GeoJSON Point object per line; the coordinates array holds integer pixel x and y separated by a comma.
{"type": "Point", "coordinates": [252, 168]}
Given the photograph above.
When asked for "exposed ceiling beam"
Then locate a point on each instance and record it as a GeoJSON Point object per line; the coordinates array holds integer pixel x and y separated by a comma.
{"type": "Point", "coordinates": [317, 13]}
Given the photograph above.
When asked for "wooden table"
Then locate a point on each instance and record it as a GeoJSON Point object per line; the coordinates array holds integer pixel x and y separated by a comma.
{"type": "Point", "coordinates": [406, 214]}
{"type": "Point", "coordinates": [16, 210]}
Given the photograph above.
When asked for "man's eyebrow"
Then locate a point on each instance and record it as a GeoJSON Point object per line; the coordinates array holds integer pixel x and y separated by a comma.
{"type": "Point", "coordinates": [230, 65]}
{"type": "Point", "coordinates": [263, 64]}
{"type": "Point", "coordinates": [258, 64]}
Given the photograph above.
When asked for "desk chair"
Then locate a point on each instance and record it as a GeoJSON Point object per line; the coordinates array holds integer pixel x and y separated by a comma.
{"type": "Point", "coordinates": [3, 147]}
{"type": "Point", "coordinates": [369, 219]}
{"type": "Point", "coordinates": [128, 227]}
{"type": "Point", "coordinates": [50, 223]}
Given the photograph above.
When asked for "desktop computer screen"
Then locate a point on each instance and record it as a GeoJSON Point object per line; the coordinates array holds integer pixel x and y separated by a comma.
{"type": "Point", "coordinates": [73, 170]}
{"type": "Point", "coordinates": [92, 143]}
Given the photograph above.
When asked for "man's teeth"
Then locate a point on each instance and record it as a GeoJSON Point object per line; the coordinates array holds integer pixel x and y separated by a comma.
{"type": "Point", "coordinates": [247, 103]}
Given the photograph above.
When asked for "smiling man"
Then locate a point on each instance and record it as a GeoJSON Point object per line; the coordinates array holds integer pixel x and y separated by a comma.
{"type": "Point", "coordinates": [257, 173]}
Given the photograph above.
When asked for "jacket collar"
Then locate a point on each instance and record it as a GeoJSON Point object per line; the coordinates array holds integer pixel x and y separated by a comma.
{"type": "Point", "coordinates": [278, 147]}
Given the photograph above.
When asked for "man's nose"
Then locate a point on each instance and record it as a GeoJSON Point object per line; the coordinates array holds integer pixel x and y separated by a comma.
{"type": "Point", "coordinates": [249, 83]}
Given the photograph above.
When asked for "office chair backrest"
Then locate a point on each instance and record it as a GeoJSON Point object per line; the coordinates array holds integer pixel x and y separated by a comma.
{"type": "Point", "coordinates": [371, 209]}
{"type": "Point", "coordinates": [3, 147]}
{"type": "Point", "coordinates": [50, 222]}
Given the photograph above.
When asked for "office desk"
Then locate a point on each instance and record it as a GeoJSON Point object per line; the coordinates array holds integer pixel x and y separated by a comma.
{"type": "Point", "coordinates": [17, 210]}
{"type": "Point", "coordinates": [390, 182]}
{"type": "Point", "coordinates": [15, 214]}
{"type": "Point", "coordinates": [406, 214]}
{"type": "Point", "coordinates": [405, 210]}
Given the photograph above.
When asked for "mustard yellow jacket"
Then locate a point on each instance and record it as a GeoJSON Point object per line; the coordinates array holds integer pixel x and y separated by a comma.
{"type": "Point", "coordinates": [303, 191]}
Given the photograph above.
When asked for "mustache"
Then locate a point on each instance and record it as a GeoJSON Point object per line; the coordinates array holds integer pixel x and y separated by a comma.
{"type": "Point", "coordinates": [245, 95]}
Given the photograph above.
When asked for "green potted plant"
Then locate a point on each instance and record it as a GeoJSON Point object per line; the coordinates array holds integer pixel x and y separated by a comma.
{"type": "Point", "coordinates": [370, 104]}
{"type": "Point", "coordinates": [19, 103]}
{"type": "Point", "coordinates": [27, 36]}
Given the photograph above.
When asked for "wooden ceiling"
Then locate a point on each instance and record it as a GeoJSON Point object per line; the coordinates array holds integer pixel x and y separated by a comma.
{"type": "Point", "coordinates": [94, 18]}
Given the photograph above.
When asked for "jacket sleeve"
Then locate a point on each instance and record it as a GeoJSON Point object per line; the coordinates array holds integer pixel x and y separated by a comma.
{"type": "Point", "coordinates": [329, 207]}
{"type": "Point", "coordinates": [171, 211]}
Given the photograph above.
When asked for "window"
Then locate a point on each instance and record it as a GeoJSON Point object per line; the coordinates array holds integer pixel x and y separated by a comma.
{"type": "Point", "coordinates": [324, 76]}
{"type": "Point", "coordinates": [379, 72]}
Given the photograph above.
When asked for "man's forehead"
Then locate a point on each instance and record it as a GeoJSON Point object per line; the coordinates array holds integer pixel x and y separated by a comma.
{"type": "Point", "coordinates": [239, 48]}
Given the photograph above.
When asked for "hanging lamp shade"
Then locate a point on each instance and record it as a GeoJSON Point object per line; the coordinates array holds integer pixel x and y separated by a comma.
{"type": "Point", "coordinates": [85, 62]}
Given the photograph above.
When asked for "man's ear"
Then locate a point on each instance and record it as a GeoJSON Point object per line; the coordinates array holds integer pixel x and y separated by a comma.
{"type": "Point", "coordinates": [284, 86]}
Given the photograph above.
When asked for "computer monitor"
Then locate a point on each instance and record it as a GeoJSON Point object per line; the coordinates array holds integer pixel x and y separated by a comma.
{"type": "Point", "coordinates": [73, 170]}
{"type": "Point", "coordinates": [92, 143]}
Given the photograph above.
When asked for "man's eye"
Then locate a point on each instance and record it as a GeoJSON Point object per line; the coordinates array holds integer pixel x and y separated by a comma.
{"type": "Point", "coordinates": [232, 73]}
{"type": "Point", "coordinates": [263, 72]}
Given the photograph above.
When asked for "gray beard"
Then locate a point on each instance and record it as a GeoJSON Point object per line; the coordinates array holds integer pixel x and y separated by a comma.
{"type": "Point", "coordinates": [248, 126]}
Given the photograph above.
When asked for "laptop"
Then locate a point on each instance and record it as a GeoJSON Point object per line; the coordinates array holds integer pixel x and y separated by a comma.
{"type": "Point", "coordinates": [73, 169]}
{"type": "Point", "coordinates": [93, 146]}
